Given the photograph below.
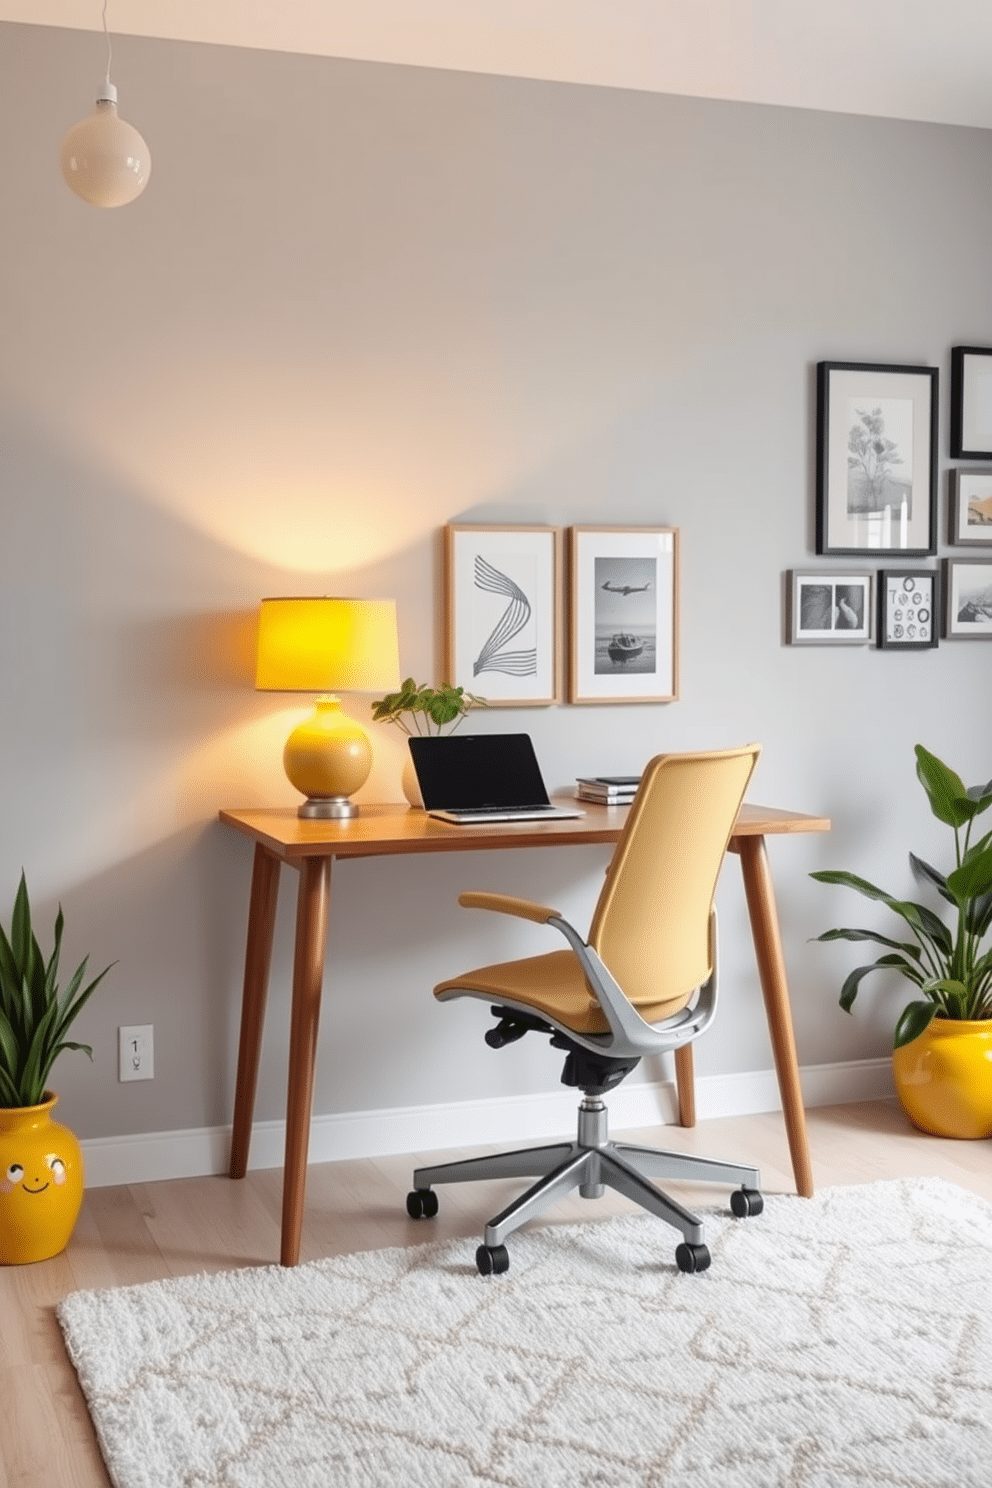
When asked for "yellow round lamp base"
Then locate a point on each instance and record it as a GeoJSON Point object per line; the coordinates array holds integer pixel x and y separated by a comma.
{"type": "Point", "coordinates": [944, 1079]}
{"type": "Point", "coordinates": [328, 758]}
{"type": "Point", "coordinates": [41, 1184]}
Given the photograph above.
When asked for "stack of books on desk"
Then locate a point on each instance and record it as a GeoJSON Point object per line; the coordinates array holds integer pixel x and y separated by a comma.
{"type": "Point", "coordinates": [610, 790]}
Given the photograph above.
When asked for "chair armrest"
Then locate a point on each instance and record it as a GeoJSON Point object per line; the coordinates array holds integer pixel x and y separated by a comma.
{"type": "Point", "coordinates": [506, 904]}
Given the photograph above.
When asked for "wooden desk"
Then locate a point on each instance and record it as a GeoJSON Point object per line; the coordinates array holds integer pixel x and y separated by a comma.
{"type": "Point", "coordinates": [280, 836]}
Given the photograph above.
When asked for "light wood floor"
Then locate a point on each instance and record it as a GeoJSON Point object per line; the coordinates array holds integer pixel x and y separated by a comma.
{"type": "Point", "coordinates": [146, 1231]}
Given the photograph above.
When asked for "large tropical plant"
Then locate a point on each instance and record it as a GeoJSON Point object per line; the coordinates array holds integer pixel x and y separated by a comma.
{"type": "Point", "coordinates": [418, 709]}
{"type": "Point", "coordinates": [949, 964]}
{"type": "Point", "coordinates": [35, 1014]}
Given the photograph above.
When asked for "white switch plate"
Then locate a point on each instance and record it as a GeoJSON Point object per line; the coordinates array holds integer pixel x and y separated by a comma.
{"type": "Point", "coordinates": [136, 1052]}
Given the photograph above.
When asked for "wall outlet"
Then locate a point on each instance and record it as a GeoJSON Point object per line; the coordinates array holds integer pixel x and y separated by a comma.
{"type": "Point", "coordinates": [136, 1052]}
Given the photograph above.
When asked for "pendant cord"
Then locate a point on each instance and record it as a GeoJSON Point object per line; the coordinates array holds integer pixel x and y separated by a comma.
{"type": "Point", "coordinates": [110, 54]}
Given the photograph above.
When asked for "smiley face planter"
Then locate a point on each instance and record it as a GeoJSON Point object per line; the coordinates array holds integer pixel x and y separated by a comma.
{"type": "Point", "coordinates": [41, 1183]}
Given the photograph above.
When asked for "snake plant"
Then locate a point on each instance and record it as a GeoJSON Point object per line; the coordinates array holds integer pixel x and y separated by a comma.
{"type": "Point", "coordinates": [35, 1013]}
{"type": "Point", "coordinates": [950, 965]}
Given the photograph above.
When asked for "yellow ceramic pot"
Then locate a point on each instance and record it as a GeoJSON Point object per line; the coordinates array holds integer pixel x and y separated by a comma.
{"type": "Point", "coordinates": [41, 1183]}
{"type": "Point", "coordinates": [944, 1078]}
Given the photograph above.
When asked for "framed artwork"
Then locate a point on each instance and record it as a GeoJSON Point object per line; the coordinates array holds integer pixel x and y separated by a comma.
{"type": "Point", "coordinates": [876, 459]}
{"type": "Point", "coordinates": [623, 606]}
{"type": "Point", "coordinates": [968, 598]}
{"type": "Point", "coordinates": [971, 507]}
{"type": "Point", "coordinates": [502, 601]}
{"type": "Point", "coordinates": [971, 402]}
{"type": "Point", "coordinates": [907, 609]}
{"type": "Point", "coordinates": [829, 608]}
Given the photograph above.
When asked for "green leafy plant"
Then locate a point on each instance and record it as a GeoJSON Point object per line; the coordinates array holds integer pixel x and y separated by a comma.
{"type": "Point", "coordinates": [418, 709]}
{"type": "Point", "coordinates": [949, 964]}
{"type": "Point", "coordinates": [34, 1013]}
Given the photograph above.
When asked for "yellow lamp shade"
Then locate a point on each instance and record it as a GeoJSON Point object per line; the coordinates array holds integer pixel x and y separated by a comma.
{"type": "Point", "coordinates": [325, 645]}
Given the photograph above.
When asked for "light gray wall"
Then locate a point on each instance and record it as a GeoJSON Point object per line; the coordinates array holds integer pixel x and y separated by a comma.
{"type": "Point", "coordinates": [357, 302]}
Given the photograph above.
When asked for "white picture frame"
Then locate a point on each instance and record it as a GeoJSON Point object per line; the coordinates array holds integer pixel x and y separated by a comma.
{"type": "Point", "coordinates": [502, 603]}
{"type": "Point", "coordinates": [623, 608]}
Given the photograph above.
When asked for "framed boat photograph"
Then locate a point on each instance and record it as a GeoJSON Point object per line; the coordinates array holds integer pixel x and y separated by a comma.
{"type": "Point", "coordinates": [971, 507]}
{"type": "Point", "coordinates": [907, 609]}
{"type": "Point", "coordinates": [502, 603]}
{"type": "Point", "coordinates": [623, 611]}
{"type": "Point", "coordinates": [968, 598]}
{"type": "Point", "coordinates": [876, 459]}
{"type": "Point", "coordinates": [829, 608]}
{"type": "Point", "coordinates": [971, 402]}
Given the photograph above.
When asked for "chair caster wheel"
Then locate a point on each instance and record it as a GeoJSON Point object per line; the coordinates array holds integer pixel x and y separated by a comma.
{"type": "Point", "coordinates": [746, 1201]}
{"type": "Point", "coordinates": [421, 1203]}
{"type": "Point", "coordinates": [691, 1258]}
{"type": "Point", "coordinates": [492, 1260]}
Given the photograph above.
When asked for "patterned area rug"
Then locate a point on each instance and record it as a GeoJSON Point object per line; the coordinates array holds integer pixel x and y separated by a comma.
{"type": "Point", "coordinates": [841, 1340]}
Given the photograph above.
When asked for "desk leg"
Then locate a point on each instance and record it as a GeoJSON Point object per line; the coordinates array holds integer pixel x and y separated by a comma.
{"type": "Point", "coordinates": [308, 974]}
{"type": "Point", "coordinates": [685, 1085]}
{"type": "Point", "coordinates": [771, 968]}
{"type": "Point", "coordinates": [258, 955]}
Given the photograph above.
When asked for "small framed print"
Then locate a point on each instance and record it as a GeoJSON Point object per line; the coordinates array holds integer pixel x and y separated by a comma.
{"type": "Point", "coordinates": [829, 608]}
{"type": "Point", "coordinates": [907, 609]}
{"type": "Point", "coordinates": [971, 402]}
{"type": "Point", "coordinates": [623, 602]}
{"type": "Point", "coordinates": [971, 507]}
{"type": "Point", "coordinates": [968, 598]}
{"type": "Point", "coordinates": [502, 601]}
{"type": "Point", "coordinates": [876, 459]}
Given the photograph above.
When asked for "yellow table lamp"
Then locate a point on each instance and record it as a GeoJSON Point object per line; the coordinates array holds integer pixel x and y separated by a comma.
{"type": "Point", "coordinates": [326, 645]}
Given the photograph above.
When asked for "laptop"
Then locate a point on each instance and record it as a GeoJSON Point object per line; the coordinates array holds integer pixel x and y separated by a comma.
{"type": "Point", "coordinates": [473, 778]}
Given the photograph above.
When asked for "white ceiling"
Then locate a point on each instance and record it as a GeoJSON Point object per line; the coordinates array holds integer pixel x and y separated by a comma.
{"type": "Point", "coordinates": [909, 59]}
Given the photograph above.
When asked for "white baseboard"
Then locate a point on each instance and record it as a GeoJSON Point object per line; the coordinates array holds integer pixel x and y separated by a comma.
{"type": "Point", "coordinates": [153, 1156]}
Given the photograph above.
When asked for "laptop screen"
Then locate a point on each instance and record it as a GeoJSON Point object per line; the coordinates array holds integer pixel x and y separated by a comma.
{"type": "Point", "coordinates": [465, 771]}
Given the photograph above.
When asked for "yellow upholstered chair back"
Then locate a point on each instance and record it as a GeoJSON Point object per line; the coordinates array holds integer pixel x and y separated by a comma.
{"type": "Point", "coordinates": [651, 926]}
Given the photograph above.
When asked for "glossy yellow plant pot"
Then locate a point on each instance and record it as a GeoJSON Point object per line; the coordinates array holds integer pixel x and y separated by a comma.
{"type": "Point", "coordinates": [41, 1183]}
{"type": "Point", "coordinates": [944, 1078]}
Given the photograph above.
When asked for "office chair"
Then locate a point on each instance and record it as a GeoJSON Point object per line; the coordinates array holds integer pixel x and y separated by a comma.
{"type": "Point", "coordinates": [644, 981]}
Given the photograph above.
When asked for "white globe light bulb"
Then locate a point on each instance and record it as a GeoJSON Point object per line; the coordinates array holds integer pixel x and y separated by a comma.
{"type": "Point", "coordinates": [104, 159]}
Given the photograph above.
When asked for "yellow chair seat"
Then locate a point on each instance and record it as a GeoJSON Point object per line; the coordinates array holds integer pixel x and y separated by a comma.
{"type": "Point", "coordinates": [552, 985]}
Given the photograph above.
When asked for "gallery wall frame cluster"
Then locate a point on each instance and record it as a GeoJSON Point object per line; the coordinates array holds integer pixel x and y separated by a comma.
{"type": "Point", "coordinates": [536, 615]}
{"type": "Point", "coordinates": [877, 497]}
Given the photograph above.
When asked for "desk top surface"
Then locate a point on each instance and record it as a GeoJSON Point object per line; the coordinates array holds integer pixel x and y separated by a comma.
{"type": "Point", "coordinates": [386, 830]}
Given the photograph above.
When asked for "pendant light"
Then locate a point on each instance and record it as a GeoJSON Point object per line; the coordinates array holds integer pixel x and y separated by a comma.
{"type": "Point", "coordinates": [104, 159]}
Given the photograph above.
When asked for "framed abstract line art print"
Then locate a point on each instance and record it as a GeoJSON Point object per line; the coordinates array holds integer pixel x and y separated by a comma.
{"type": "Point", "coordinates": [502, 601]}
{"type": "Point", "coordinates": [971, 402]}
{"type": "Point", "coordinates": [968, 598]}
{"type": "Point", "coordinates": [907, 609]}
{"type": "Point", "coordinates": [971, 507]}
{"type": "Point", "coordinates": [623, 607]}
{"type": "Point", "coordinates": [876, 459]}
{"type": "Point", "coordinates": [829, 608]}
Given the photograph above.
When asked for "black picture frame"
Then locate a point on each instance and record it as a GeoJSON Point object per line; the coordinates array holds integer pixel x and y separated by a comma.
{"type": "Point", "coordinates": [872, 417]}
{"type": "Point", "coordinates": [971, 402]}
{"type": "Point", "coordinates": [908, 609]}
{"type": "Point", "coordinates": [828, 607]}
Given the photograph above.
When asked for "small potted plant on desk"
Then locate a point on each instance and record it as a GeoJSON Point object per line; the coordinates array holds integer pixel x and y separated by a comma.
{"type": "Point", "coordinates": [41, 1166]}
{"type": "Point", "coordinates": [942, 1055]}
{"type": "Point", "coordinates": [418, 709]}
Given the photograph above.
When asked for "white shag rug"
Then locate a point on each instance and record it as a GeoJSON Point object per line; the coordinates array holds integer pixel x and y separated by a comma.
{"type": "Point", "coordinates": [840, 1340]}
